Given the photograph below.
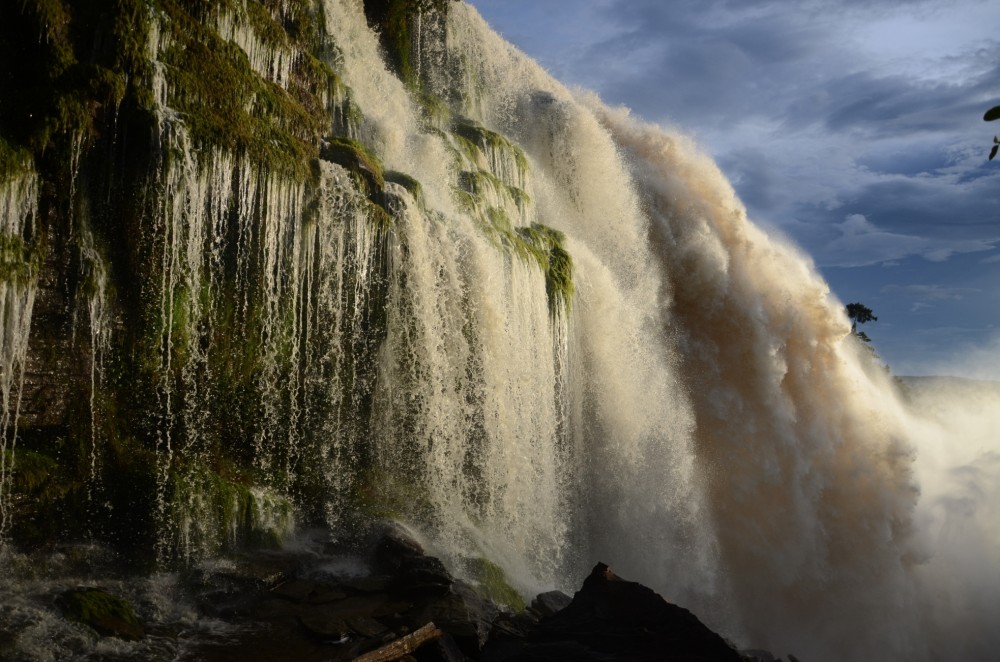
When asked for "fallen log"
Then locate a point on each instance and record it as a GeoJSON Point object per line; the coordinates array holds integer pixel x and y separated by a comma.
{"type": "Point", "coordinates": [402, 646]}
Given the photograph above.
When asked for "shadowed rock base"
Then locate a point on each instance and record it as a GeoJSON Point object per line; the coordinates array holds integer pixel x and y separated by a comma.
{"type": "Point", "coordinates": [608, 619]}
{"type": "Point", "coordinates": [380, 596]}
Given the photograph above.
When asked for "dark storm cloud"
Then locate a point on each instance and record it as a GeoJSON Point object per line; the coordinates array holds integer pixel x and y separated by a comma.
{"type": "Point", "coordinates": [859, 242]}
{"type": "Point", "coordinates": [902, 189]}
{"type": "Point", "coordinates": [887, 105]}
{"type": "Point", "coordinates": [890, 219]}
{"type": "Point", "coordinates": [721, 63]}
{"type": "Point", "coordinates": [931, 207]}
{"type": "Point", "coordinates": [675, 62]}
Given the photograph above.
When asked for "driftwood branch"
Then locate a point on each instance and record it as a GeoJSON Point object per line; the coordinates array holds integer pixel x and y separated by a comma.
{"type": "Point", "coordinates": [403, 645]}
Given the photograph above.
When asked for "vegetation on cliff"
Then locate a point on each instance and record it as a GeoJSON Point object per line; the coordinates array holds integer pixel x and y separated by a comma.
{"type": "Point", "coordinates": [175, 399]}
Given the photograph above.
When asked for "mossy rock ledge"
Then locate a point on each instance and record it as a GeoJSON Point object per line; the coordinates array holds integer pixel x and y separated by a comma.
{"type": "Point", "coordinates": [107, 614]}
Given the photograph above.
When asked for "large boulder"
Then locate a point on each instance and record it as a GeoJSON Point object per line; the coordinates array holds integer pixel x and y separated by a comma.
{"type": "Point", "coordinates": [550, 603]}
{"type": "Point", "coordinates": [107, 614]}
{"type": "Point", "coordinates": [612, 619]}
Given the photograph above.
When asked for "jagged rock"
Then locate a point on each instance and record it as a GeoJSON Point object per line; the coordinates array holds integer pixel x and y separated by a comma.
{"type": "Point", "coordinates": [424, 574]}
{"type": "Point", "coordinates": [464, 614]}
{"type": "Point", "coordinates": [758, 655]}
{"type": "Point", "coordinates": [376, 605]}
{"type": "Point", "coordinates": [550, 602]}
{"type": "Point", "coordinates": [610, 618]}
{"type": "Point", "coordinates": [367, 627]}
{"type": "Point", "coordinates": [394, 547]}
{"type": "Point", "coordinates": [324, 625]}
{"type": "Point", "coordinates": [514, 626]}
{"type": "Point", "coordinates": [305, 590]}
{"type": "Point", "coordinates": [372, 584]}
{"type": "Point", "coordinates": [109, 615]}
{"type": "Point", "coordinates": [264, 568]}
{"type": "Point", "coordinates": [399, 554]}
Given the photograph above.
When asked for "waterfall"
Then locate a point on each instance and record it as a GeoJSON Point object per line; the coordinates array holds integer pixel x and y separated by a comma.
{"type": "Point", "coordinates": [18, 209]}
{"type": "Point", "coordinates": [812, 490]}
{"type": "Point", "coordinates": [535, 329]}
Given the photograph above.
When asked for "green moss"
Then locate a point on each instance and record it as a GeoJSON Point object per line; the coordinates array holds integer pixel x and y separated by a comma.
{"type": "Point", "coordinates": [217, 508]}
{"type": "Point", "coordinates": [378, 494]}
{"type": "Point", "coordinates": [129, 30]}
{"type": "Point", "coordinates": [407, 182]}
{"type": "Point", "coordinates": [14, 160]}
{"type": "Point", "coordinates": [485, 159]}
{"type": "Point", "coordinates": [48, 491]}
{"type": "Point", "coordinates": [435, 111]}
{"type": "Point", "coordinates": [226, 104]}
{"type": "Point", "coordinates": [365, 168]}
{"type": "Point", "coordinates": [19, 263]}
{"type": "Point", "coordinates": [84, 605]}
{"type": "Point", "coordinates": [395, 22]}
{"type": "Point", "coordinates": [480, 139]}
{"type": "Point", "coordinates": [65, 78]}
{"type": "Point", "coordinates": [265, 26]}
{"type": "Point", "coordinates": [480, 184]}
{"type": "Point", "coordinates": [367, 174]}
{"type": "Point", "coordinates": [107, 614]}
{"type": "Point", "coordinates": [538, 243]}
{"type": "Point", "coordinates": [301, 21]}
{"type": "Point", "coordinates": [491, 582]}
{"type": "Point", "coordinates": [558, 265]}
{"type": "Point", "coordinates": [32, 470]}
{"type": "Point", "coordinates": [348, 117]}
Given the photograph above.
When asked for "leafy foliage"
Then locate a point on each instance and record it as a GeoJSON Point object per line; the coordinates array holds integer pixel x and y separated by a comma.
{"type": "Point", "coordinates": [860, 314]}
{"type": "Point", "coordinates": [993, 114]}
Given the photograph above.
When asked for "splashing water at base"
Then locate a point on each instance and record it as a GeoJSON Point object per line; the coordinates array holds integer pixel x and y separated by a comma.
{"type": "Point", "coordinates": [954, 424]}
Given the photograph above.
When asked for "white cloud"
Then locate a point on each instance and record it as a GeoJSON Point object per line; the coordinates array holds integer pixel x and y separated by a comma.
{"type": "Point", "coordinates": [860, 243]}
{"type": "Point", "coordinates": [927, 297]}
{"type": "Point", "coordinates": [931, 292]}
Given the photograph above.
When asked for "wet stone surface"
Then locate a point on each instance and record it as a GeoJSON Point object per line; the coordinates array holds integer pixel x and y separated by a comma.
{"type": "Point", "coordinates": [341, 603]}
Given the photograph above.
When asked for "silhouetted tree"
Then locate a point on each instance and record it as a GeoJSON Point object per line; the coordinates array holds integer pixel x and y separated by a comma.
{"type": "Point", "coordinates": [993, 114]}
{"type": "Point", "coordinates": [860, 314]}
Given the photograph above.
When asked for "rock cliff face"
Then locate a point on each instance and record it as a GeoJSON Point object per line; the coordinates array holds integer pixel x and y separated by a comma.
{"type": "Point", "coordinates": [210, 278]}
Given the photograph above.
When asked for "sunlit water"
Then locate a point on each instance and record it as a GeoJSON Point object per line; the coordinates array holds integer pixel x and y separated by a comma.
{"type": "Point", "coordinates": [700, 419]}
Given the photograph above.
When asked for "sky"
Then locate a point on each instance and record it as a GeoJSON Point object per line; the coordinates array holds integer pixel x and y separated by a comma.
{"type": "Point", "coordinates": [854, 128]}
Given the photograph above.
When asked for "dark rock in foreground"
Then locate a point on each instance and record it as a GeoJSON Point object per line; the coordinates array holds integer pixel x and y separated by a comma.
{"type": "Point", "coordinates": [322, 617]}
{"type": "Point", "coordinates": [610, 618]}
{"type": "Point", "coordinates": [379, 597]}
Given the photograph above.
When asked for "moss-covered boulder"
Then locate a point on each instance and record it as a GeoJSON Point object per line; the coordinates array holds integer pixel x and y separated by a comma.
{"type": "Point", "coordinates": [364, 166]}
{"type": "Point", "coordinates": [108, 615]}
{"type": "Point", "coordinates": [491, 583]}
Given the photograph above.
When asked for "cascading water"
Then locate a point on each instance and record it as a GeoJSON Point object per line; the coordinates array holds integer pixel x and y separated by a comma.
{"type": "Point", "coordinates": [18, 209]}
{"type": "Point", "coordinates": [811, 492]}
{"type": "Point", "coordinates": [535, 329]}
